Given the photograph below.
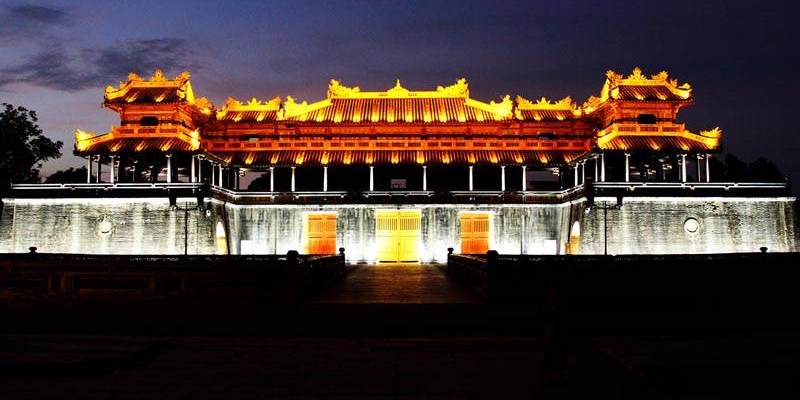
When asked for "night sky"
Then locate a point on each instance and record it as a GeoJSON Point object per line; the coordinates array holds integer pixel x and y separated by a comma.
{"type": "Point", "coordinates": [741, 58]}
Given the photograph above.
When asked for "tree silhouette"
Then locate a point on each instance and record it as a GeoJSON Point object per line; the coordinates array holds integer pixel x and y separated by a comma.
{"type": "Point", "coordinates": [23, 147]}
{"type": "Point", "coordinates": [736, 170]}
{"type": "Point", "coordinates": [260, 184]}
{"type": "Point", "coordinates": [69, 175]}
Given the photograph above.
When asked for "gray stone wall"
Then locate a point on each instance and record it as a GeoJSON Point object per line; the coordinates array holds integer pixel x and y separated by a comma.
{"type": "Point", "coordinates": [657, 225]}
{"type": "Point", "coordinates": [106, 226]}
{"type": "Point", "coordinates": [641, 226]}
{"type": "Point", "coordinates": [266, 229]}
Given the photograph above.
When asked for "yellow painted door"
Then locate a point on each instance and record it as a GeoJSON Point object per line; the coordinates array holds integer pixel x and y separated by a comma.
{"type": "Point", "coordinates": [397, 234]}
{"type": "Point", "coordinates": [320, 233]}
{"type": "Point", "coordinates": [386, 234]}
{"type": "Point", "coordinates": [474, 233]}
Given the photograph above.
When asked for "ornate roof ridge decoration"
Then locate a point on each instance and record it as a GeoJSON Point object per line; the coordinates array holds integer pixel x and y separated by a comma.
{"type": "Point", "coordinates": [253, 104]}
{"type": "Point", "coordinates": [82, 138]}
{"type": "Point", "coordinates": [336, 89]}
{"type": "Point", "coordinates": [712, 133]}
{"type": "Point", "coordinates": [544, 104]}
{"type": "Point", "coordinates": [459, 89]}
{"type": "Point", "coordinates": [504, 109]}
{"type": "Point", "coordinates": [292, 108]}
{"type": "Point", "coordinates": [591, 104]}
{"type": "Point", "coordinates": [398, 90]}
{"type": "Point", "coordinates": [205, 105]}
{"type": "Point", "coordinates": [158, 80]}
{"type": "Point", "coordinates": [565, 104]}
{"type": "Point", "coordinates": [636, 78]}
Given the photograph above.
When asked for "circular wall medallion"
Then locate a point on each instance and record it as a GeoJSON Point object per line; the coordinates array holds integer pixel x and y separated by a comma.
{"type": "Point", "coordinates": [105, 227]}
{"type": "Point", "coordinates": [691, 225]}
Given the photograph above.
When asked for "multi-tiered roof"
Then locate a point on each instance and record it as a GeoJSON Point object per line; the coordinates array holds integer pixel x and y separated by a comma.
{"type": "Point", "coordinates": [398, 125]}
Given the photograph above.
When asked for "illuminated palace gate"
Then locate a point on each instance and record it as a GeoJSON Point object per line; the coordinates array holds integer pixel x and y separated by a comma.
{"type": "Point", "coordinates": [401, 175]}
{"type": "Point", "coordinates": [397, 233]}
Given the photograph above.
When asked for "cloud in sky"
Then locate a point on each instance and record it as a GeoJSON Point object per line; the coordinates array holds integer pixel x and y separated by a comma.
{"type": "Point", "coordinates": [56, 67]}
{"type": "Point", "coordinates": [44, 57]}
{"type": "Point", "coordinates": [29, 21]}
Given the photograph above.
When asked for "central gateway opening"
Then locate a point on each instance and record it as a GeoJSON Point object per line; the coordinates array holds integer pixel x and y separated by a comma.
{"type": "Point", "coordinates": [397, 235]}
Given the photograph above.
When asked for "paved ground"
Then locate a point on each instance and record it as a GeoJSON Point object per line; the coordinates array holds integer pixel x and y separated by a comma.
{"type": "Point", "coordinates": [386, 332]}
{"type": "Point", "coordinates": [397, 284]}
{"type": "Point", "coordinates": [119, 367]}
{"type": "Point", "coordinates": [86, 367]}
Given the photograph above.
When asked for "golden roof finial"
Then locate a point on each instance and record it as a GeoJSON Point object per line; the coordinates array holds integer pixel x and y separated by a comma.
{"type": "Point", "coordinates": [397, 90]}
{"type": "Point", "coordinates": [158, 76]}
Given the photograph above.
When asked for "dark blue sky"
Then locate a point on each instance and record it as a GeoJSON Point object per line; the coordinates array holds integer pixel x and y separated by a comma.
{"type": "Point", "coordinates": [741, 57]}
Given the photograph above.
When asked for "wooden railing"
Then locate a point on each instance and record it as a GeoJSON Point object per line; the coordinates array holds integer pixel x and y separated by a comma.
{"type": "Point", "coordinates": [149, 131]}
{"type": "Point", "coordinates": [648, 128]}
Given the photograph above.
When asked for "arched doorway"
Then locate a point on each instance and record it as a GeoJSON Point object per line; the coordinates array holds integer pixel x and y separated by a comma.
{"type": "Point", "coordinates": [221, 238]}
{"type": "Point", "coordinates": [574, 242]}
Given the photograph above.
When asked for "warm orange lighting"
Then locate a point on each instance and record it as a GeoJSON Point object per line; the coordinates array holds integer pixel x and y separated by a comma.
{"type": "Point", "coordinates": [609, 138]}
{"type": "Point", "coordinates": [83, 139]}
{"type": "Point", "coordinates": [237, 108]}
{"type": "Point", "coordinates": [392, 124]}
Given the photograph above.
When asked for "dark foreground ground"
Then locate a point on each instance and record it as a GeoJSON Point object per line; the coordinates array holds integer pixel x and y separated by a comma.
{"type": "Point", "coordinates": [384, 332]}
